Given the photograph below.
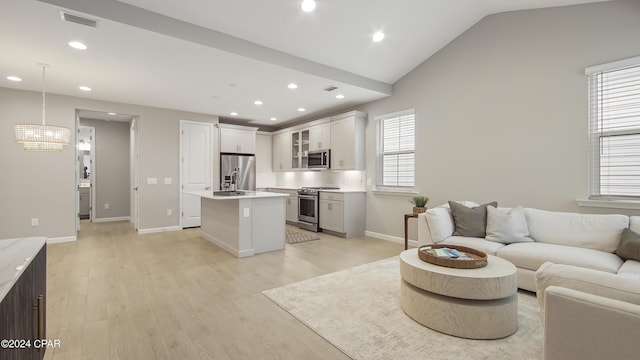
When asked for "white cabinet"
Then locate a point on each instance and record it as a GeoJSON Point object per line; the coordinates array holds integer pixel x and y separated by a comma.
{"type": "Point", "coordinates": [291, 204]}
{"type": "Point", "coordinates": [347, 141]}
{"type": "Point", "coordinates": [320, 137]}
{"type": "Point", "coordinates": [300, 149]}
{"type": "Point", "coordinates": [342, 213]}
{"type": "Point", "coordinates": [281, 152]}
{"type": "Point", "coordinates": [237, 139]}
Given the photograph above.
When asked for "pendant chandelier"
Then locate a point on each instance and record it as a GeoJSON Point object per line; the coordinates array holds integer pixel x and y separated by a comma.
{"type": "Point", "coordinates": [42, 137]}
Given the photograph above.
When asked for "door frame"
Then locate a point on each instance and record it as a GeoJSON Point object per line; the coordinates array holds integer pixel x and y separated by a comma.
{"type": "Point", "coordinates": [134, 172]}
{"type": "Point", "coordinates": [78, 171]}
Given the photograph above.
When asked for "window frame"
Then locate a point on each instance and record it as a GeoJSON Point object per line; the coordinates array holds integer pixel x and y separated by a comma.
{"type": "Point", "coordinates": [596, 133]}
{"type": "Point", "coordinates": [380, 186]}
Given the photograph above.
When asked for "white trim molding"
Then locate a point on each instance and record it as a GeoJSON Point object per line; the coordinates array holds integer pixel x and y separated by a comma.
{"type": "Point", "coordinates": [610, 204]}
{"type": "Point", "coordinates": [121, 218]}
{"type": "Point", "coordinates": [395, 239]}
{"type": "Point", "coordinates": [62, 239]}
{"type": "Point", "coordinates": [159, 230]}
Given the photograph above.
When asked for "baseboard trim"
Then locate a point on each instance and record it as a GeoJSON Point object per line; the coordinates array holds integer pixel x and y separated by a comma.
{"type": "Point", "coordinates": [158, 230]}
{"type": "Point", "coordinates": [121, 218]}
{"type": "Point", "coordinates": [395, 239]}
{"type": "Point", "coordinates": [214, 240]}
{"type": "Point", "coordinates": [62, 239]}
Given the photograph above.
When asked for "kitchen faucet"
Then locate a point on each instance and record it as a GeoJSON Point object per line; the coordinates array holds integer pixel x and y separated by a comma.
{"type": "Point", "coordinates": [234, 179]}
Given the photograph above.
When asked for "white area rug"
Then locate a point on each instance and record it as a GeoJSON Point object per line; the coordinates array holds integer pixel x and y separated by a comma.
{"type": "Point", "coordinates": [294, 237]}
{"type": "Point", "coordinates": [358, 311]}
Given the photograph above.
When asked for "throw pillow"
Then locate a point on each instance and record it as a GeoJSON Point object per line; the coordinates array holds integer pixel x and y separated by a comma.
{"type": "Point", "coordinates": [507, 226]}
{"type": "Point", "coordinates": [629, 248]}
{"type": "Point", "coordinates": [470, 221]}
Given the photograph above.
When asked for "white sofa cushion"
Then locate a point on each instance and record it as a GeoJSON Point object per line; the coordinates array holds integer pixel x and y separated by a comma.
{"type": "Point", "coordinates": [586, 280]}
{"type": "Point", "coordinates": [630, 268]}
{"type": "Point", "coordinates": [489, 247]}
{"type": "Point", "coordinates": [589, 231]}
{"type": "Point", "coordinates": [532, 255]}
{"type": "Point", "coordinates": [506, 225]}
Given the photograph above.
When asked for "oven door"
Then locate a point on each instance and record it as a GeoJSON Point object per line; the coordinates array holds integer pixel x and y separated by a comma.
{"type": "Point", "coordinates": [308, 208]}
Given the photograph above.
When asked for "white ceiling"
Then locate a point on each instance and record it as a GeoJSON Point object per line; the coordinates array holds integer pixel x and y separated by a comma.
{"type": "Point", "coordinates": [217, 57]}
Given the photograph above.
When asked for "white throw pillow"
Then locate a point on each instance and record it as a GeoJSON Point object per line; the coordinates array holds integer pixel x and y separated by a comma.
{"type": "Point", "coordinates": [507, 226]}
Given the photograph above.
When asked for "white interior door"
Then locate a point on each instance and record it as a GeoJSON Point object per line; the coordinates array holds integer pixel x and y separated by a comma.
{"type": "Point", "coordinates": [195, 168]}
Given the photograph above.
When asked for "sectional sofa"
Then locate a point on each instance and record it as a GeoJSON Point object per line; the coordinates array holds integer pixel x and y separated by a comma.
{"type": "Point", "coordinates": [530, 237]}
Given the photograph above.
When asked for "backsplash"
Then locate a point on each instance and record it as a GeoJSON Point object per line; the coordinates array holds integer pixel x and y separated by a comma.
{"type": "Point", "coordinates": [353, 180]}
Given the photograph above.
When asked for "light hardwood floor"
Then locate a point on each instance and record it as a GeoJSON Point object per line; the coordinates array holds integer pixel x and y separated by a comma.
{"type": "Point", "coordinates": [114, 294]}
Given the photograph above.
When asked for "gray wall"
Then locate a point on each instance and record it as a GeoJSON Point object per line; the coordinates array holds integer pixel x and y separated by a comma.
{"type": "Point", "coordinates": [112, 168]}
{"type": "Point", "coordinates": [43, 184]}
{"type": "Point", "coordinates": [501, 111]}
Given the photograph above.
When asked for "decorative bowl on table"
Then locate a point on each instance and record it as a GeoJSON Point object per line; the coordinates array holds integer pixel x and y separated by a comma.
{"type": "Point", "coordinates": [461, 257]}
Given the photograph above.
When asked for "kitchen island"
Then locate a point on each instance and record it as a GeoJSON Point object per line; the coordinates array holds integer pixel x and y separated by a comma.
{"type": "Point", "coordinates": [243, 225]}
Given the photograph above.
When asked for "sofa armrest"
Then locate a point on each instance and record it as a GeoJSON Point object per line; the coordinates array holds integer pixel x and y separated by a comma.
{"type": "Point", "coordinates": [424, 235]}
{"type": "Point", "coordinates": [582, 326]}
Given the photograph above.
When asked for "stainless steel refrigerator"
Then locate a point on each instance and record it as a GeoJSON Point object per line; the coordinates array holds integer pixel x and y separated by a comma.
{"type": "Point", "coordinates": [247, 173]}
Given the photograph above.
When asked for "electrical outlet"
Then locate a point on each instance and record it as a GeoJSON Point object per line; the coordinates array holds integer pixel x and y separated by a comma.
{"type": "Point", "coordinates": [35, 222]}
{"type": "Point", "coordinates": [246, 212]}
{"type": "Point", "coordinates": [106, 206]}
{"type": "Point", "coordinates": [169, 212]}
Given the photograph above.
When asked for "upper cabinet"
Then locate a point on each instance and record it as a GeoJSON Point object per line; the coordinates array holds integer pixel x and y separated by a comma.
{"type": "Point", "coordinates": [347, 141]}
{"type": "Point", "coordinates": [300, 149]}
{"type": "Point", "coordinates": [342, 134]}
{"type": "Point", "coordinates": [237, 139]}
{"type": "Point", "coordinates": [281, 151]}
{"type": "Point", "coordinates": [320, 137]}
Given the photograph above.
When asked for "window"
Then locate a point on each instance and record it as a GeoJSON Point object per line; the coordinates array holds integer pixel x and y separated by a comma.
{"type": "Point", "coordinates": [614, 130]}
{"type": "Point", "coordinates": [396, 150]}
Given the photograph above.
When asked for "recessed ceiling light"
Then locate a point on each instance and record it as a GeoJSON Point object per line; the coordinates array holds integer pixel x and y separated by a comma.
{"type": "Point", "coordinates": [308, 5]}
{"type": "Point", "coordinates": [377, 37]}
{"type": "Point", "coordinates": [234, 114]}
{"type": "Point", "coordinates": [258, 102]}
{"type": "Point", "coordinates": [339, 96]}
{"type": "Point", "coordinates": [77, 45]}
{"type": "Point", "coordinates": [112, 114]}
{"type": "Point", "coordinates": [273, 119]}
{"type": "Point", "coordinates": [302, 109]}
{"type": "Point", "coordinates": [14, 78]}
{"type": "Point", "coordinates": [292, 86]}
{"type": "Point", "coordinates": [84, 88]}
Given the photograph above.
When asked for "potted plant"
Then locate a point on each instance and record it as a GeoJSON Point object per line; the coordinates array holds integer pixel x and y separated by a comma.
{"type": "Point", "coordinates": [419, 203]}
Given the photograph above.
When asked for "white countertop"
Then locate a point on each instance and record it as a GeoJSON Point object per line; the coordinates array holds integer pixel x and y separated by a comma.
{"type": "Point", "coordinates": [208, 194]}
{"type": "Point", "coordinates": [15, 256]}
{"type": "Point", "coordinates": [344, 191]}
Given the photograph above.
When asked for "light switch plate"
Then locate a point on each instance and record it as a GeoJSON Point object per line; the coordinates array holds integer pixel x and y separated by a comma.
{"type": "Point", "coordinates": [152, 181]}
{"type": "Point", "coordinates": [168, 181]}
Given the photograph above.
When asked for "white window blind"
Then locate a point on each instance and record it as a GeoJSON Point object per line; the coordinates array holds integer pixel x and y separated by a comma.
{"type": "Point", "coordinates": [396, 150]}
{"type": "Point", "coordinates": [614, 130]}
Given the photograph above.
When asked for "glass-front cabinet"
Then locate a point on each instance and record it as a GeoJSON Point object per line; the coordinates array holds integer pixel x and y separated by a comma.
{"type": "Point", "coordinates": [299, 149]}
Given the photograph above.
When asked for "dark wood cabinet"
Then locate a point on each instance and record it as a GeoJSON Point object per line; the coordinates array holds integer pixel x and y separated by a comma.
{"type": "Point", "coordinates": [23, 312]}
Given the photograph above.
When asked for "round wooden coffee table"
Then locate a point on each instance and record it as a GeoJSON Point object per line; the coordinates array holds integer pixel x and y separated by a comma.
{"type": "Point", "coordinates": [470, 303]}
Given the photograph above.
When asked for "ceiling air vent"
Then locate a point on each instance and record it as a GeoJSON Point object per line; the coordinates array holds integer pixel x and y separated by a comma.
{"type": "Point", "coordinates": [78, 19]}
{"type": "Point", "coordinates": [331, 88]}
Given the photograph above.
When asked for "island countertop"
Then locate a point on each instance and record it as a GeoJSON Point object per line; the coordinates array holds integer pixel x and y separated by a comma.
{"type": "Point", "coordinates": [15, 256]}
{"type": "Point", "coordinates": [208, 194]}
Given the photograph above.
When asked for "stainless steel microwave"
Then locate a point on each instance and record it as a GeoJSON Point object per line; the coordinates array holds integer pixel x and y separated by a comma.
{"type": "Point", "coordinates": [320, 159]}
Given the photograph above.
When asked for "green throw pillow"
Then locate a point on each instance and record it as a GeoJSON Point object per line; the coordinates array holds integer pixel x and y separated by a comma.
{"type": "Point", "coordinates": [470, 221]}
{"type": "Point", "coordinates": [629, 248]}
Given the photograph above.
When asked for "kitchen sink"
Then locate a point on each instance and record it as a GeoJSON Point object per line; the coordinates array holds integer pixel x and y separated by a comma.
{"type": "Point", "coordinates": [228, 193]}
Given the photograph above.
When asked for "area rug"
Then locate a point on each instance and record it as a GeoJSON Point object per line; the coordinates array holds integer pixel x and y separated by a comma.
{"type": "Point", "coordinates": [294, 237]}
{"type": "Point", "coordinates": [358, 311]}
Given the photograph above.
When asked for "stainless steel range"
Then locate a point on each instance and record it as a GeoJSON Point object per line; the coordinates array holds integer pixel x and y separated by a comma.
{"type": "Point", "coordinates": [309, 207]}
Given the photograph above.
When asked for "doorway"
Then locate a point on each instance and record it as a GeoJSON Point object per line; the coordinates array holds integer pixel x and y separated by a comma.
{"type": "Point", "coordinates": [106, 167]}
